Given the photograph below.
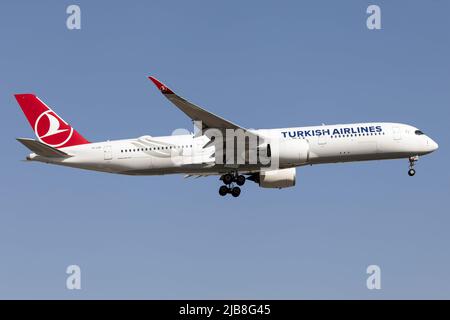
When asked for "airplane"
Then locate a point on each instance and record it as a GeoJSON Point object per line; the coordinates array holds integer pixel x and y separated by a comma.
{"type": "Point", "coordinates": [277, 151]}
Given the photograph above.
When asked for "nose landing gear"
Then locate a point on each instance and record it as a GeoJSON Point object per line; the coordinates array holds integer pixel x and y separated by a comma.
{"type": "Point", "coordinates": [228, 180]}
{"type": "Point", "coordinates": [412, 162]}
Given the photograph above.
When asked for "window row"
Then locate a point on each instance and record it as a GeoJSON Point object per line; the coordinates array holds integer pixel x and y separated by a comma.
{"type": "Point", "coordinates": [156, 148]}
{"type": "Point", "coordinates": [358, 135]}
{"type": "Point", "coordinates": [352, 135]}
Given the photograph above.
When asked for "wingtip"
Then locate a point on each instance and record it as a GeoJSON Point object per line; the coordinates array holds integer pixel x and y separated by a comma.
{"type": "Point", "coordinates": [161, 86]}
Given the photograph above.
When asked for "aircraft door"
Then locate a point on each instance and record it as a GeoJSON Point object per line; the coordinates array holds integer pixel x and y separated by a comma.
{"type": "Point", "coordinates": [322, 140]}
{"type": "Point", "coordinates": [107, 153]}
{"type": "Point", "coordinates": [396, 133]}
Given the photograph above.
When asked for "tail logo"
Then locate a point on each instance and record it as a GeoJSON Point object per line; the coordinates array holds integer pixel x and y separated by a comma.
{"type": "Point", "coordinates": [52, 130]}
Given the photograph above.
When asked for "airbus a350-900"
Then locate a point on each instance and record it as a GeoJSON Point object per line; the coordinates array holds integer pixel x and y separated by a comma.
{"type": "Point", "coordinates": [203, 154]}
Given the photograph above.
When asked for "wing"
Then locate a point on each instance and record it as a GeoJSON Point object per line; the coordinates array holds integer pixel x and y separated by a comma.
{"type": "Point", "coordinates": [208, 119]}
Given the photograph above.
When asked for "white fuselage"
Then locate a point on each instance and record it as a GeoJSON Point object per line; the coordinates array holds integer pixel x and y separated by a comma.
{"type": "Point", "coordinates": [186, 154]}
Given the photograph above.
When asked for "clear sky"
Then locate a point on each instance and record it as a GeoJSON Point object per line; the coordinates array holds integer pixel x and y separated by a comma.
{"type": "Point", "coordinates": [260, 64]}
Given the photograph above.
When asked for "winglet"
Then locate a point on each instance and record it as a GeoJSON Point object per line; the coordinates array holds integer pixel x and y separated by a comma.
{"type": "Point", "coordinates": [161, 86]}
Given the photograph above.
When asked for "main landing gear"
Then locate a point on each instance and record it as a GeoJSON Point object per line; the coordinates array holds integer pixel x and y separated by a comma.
{"type": "Point", "coordinates": [229, 180]}
{"type": "Point", "coordinates": [412, 162]}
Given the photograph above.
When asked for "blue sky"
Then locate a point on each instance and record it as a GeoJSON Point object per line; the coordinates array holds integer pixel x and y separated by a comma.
{"type": "Point", "coordinates": [260, 64]}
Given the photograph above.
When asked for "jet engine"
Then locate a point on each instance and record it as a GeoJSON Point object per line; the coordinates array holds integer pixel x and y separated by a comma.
{"type": "Point", "coordinates": [281, 178]}
{"type": "Point", "coordinates": [290, 152]}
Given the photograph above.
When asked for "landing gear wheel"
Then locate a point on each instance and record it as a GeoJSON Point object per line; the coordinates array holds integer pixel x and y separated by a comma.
{"type": "Point", "coordinates": [223, 190]}
{"type": "Point", "coordinates": [235, 192]}
{"type": "Point", "coordinates": [227, 178]}
{"type": "Point", "coordinates": [240, 180]}
{"type": "Point", "coordinates": [412, 162]}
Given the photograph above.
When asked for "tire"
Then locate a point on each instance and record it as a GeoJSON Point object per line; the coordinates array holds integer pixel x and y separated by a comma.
{"type": "Point", "coordinates": [240, 180]}
{"type": "Point", "coordinates": [235, 192]}
{"type": "Point", "coordinates": [411, 172]}
{"type": "Point", "coordinates": [223, 191]}
{"type": "Point", "coordinates": [227, 178]}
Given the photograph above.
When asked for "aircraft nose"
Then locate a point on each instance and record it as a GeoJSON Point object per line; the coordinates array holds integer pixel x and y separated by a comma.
{"type": "Point", "coordinates": [433, 145]}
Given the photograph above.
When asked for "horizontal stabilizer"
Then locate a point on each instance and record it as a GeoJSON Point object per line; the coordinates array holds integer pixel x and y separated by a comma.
{"type": "Point", "coordinates": [42, 149]}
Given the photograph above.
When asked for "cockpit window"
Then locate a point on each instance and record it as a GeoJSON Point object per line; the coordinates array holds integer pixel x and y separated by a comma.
{"type": "Point", "coordinates": [418, 132]}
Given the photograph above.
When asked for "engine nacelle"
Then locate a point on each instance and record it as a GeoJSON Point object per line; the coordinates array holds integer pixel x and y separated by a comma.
{"type": "Point", "coordinates": [290, 152]}
{"type": "Point", "coordinates": [282, 178]}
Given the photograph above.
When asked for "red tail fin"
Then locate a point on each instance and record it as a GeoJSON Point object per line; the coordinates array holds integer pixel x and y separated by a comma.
{"type": "Point", "coordinates": [47, 125]}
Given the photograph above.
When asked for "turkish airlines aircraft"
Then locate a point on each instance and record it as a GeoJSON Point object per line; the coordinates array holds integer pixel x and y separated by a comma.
{"type": "Point", "coordinates": [213, 151]}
